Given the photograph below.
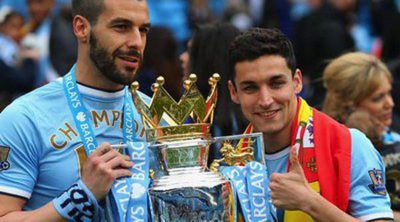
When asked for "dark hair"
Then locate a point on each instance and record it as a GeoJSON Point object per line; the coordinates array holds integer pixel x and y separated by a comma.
{"type": "Point", "coordinates": [90, 9]}
{"type": "Point", "coordinates": [209, 52]}
{"type": "Point", "coordinates": [208, 55]}
{"type": "Point", "coordinates": [161, 58]}
{"type": "Point", "coordinates": [257, 42]}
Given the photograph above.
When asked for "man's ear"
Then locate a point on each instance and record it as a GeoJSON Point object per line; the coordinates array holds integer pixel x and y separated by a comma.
{"type": "Point", "coordinates": [233, 92]}
{"type": "Point", "coordinates": [81, 27]}
{"type": "Point", "coordinates": [298, 81]}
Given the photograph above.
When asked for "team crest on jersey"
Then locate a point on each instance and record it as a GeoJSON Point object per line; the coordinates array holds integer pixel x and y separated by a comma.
{"type": "Point", "coordinates": [377, 186]}
{"type": "Point", "coordinates": [4, 164]}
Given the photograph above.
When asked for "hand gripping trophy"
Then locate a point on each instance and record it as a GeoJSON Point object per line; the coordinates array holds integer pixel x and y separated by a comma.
{"type": "Point", "coordinates": [182, 187]}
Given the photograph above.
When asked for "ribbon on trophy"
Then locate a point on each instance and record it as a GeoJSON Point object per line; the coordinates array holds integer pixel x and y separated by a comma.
{"type": "Point", "coordinates": [129, 196]}
{"type": "Point", "coordinates": [250, 184]}
{"type": "Point", "coordinates": [139, 197]}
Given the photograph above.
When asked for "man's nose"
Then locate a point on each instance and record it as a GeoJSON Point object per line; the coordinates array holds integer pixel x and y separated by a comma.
{"type": "Point", "coordinates": [136, 39]}
{"type": "Point", "coordinates": [265, 97]}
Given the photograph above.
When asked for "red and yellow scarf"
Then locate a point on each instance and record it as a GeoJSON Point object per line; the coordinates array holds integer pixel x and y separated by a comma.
{"type": "Point", "coordinates": [324, 149]}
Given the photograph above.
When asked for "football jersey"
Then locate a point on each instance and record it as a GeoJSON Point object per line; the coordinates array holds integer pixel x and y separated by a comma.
{"type": "Point", "coordinates": [367, 169]}
{"type": "Point", "coordinates": [41, 152]}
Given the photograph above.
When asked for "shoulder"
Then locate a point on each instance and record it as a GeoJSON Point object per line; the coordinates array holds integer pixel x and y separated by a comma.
{"type": "Point", "coordinates": [36, 101]}
{"type": "Point", "coordinates": [359, 139]}
{"type": "Point", "coordinates": [43, 95]}
{"type": "Point", "coordinates": [329, 125]}
{"type": "Point", "coordinates": [323, 117]}
{"type": "Point", "coordinates": [363, 151]}
{"type": "Point", "coordinates": [361, 145]}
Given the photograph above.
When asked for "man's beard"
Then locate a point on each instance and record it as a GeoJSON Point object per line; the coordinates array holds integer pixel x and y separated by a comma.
{"type": "Point", "coordinates": [105, 62]}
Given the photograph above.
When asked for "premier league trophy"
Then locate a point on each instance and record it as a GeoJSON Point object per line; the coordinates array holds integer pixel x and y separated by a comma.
{"type": "Point", "coordinates": [183, 188]}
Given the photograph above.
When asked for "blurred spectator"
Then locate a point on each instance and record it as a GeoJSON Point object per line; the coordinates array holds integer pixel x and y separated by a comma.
{"type": "Point", "coordinates": [17, 68]}
{"type": "Point", "coordinates": [172, 14]}
{"type": "Point", "coordinates": [321, 35]}
{"type": "Point", "coordinates": [368, 124]}
{"type": "Point", "coordinates": [200, 12]}
{"type": "Point", "coordinates": [208, 54]}
{"type": "Point", "coordinates": [357, 83]}
{"type": "Point", "coordinates": [390, 22]}
{"type": "Point", "coordinates": [17, 5]}
{"type": "Point", "coordinates": [161, 59]}
{"type": "Point", "coordinates": [299, 8]}
{"type": "Point", "coordinates": [11, 23]}
{"type": "Point", "coordinates": [185, 59]}
{"type": "Point", "coordinates": [63, 44]}
{"type": "Point", "coordinates": [365, 30]}
{"type": "Point", "coordinates": [218, 6]}
{"type": "Point", "coordinates": [273, 14]}
{"type": "Point", "coordinates": [37, 35]}
{"type": "Point", "coordinates": [358, 80]}
{"type": "Point", "coordinates": [21, 7]}
{"type": "Point", "coordinates": [237, 13]}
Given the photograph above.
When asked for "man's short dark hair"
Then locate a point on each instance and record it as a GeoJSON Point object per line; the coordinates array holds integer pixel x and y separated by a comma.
{"type": "Point", "coordinates": [257, 42]}
{"type": "Point", "coordinates": [90, 9]}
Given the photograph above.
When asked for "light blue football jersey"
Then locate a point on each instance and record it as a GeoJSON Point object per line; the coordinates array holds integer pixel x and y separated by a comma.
{"type": "Point", "coordinates": [40, 149]}
{"type": "Point", "coordinates": [365, 203]}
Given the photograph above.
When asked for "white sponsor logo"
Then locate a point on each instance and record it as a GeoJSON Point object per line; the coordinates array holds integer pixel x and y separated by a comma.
{"type": "Point", "coordinates": [137, 191]}
{"type": "Point", "coordinates": [81, 117]}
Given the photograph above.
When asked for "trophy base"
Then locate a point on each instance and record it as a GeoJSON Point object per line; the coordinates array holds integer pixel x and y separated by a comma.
{"type": "Point", "coordinates": [199, 196]}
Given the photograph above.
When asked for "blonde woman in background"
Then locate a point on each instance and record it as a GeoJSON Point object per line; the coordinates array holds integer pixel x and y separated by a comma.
{"type": "Point", "coordinates": [357, 83]}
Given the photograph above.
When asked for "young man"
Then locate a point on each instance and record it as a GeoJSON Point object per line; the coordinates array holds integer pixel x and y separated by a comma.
{"type": "Point", "coordinates": [319, 170]}
{"type": "Point", "coordinates": [45, 136]}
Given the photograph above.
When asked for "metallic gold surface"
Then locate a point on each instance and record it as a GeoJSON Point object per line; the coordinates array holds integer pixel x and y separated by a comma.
{"type": "Point", "coordinates": [191, 107]}
{"type": "Point", "coordinates": [233, 156]}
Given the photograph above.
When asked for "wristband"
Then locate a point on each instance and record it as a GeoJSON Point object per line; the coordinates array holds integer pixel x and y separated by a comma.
{"type": "Point", "coordinates": [78, 204]}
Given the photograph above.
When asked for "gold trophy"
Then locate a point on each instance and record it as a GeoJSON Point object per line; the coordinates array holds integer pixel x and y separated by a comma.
{"type": "Point", "coordinates": [183, 188]}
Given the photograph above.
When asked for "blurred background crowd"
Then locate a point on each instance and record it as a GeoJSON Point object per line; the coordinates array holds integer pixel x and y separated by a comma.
{"type": "Point", "coordinates": [192, 36]}
{"type": "Point", "coordinates": [360, 89]}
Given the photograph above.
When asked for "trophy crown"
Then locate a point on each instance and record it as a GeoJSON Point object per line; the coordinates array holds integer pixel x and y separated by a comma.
{"type": "Point", "coordinates": [191, 117]}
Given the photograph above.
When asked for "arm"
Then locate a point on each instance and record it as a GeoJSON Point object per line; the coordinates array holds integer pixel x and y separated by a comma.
{"type": "Point", "coordinates": [17, 181]}
{"type": "Point", "coordinates": [294, 185]}
{"type": "Point", "coordinates": [12, 211]}
{"type": "Point", "coordinates": [103, 166]}
{"type": "Point", "coordinates": [322, 210]}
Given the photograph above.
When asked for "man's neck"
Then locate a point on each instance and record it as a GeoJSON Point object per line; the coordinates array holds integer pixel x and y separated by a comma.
{"type": "Point", "coordinates": [87, 74]}
{"type": "Point", "coordinates": [276, 142]}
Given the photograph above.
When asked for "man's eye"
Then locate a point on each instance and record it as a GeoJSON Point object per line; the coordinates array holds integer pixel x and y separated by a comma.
{"type": "Point", "coordinates": [277, 85]}
{"type": "Point", "coordinates": [121, 27]}
{"type": "Point", "coordinates": [249, 88]}
{"type": "Point", "coordinates": [144, 30]}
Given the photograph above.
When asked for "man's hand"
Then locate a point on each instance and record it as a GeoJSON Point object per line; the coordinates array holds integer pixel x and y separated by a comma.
{"type": "Point", "coordinates": [290, 191]}
{"type": "Point", "coordinates": [103, 166]}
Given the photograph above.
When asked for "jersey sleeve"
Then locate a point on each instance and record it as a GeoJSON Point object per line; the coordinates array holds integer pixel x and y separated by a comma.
{"type": "Point", "coordinates": [369, 199]}
{"type": "Point", "coordinates": [19, 151]}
